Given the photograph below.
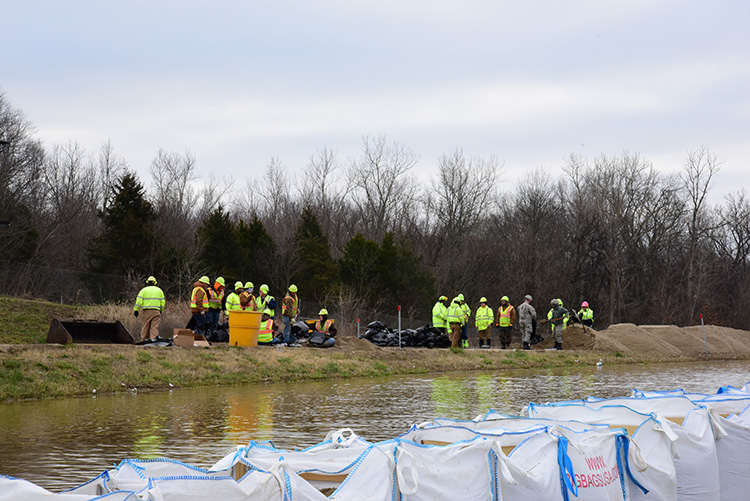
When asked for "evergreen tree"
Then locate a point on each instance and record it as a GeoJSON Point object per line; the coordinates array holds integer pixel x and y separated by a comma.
{"type": "Point", "coordinates": [316, 272]}
{"type": "Point", "coordinates": [359, 266]}
{"type": "Point", "coordinates": [403, 276]}
{"type": "Point", "coordinates": [217, 242]}
{"type": "Point", "coordinates": [126, 243]}
{"type": "Point", "coordinates": [256, 252]}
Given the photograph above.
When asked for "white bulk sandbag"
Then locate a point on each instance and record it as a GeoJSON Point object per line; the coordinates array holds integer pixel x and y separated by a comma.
{"type": "Point", "coordinates": [134, 474]}
{"type": "Point", "coordinates": [458, 471]}
{"type": "Point", "coordinates": [650, 454]}
{"type": "Point", "coordinates": [16, 489]}
{"type": "Point", "coordinates": [96, 486]}
{"type": "Point", "coordinates": [373, 478]}
{"type": "Point", "coordinates": [733, 450]}
{"type": "Point", "coordinates": [281, 483]}
{"type": "Point", "coordinates": [697, 465]}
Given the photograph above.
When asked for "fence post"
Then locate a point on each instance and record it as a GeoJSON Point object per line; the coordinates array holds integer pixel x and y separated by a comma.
{"type": "Point", "coordinates": [705, 343]}
{"type": "Point", "coordinates": [62, 281]}
{"type": "Point", "coordinates": [357, 328]}
{"type": "Point", "coordinates": [399, 329]}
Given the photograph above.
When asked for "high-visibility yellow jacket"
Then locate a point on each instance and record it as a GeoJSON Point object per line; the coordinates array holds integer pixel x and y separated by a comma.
{"type": "Point", "coordinates": [151, 297]}
{"type": "Point", "coordinates": [455, 314]}
{"type": "Point", "coordinates": [439, 312]}
{"type": "Point", "coordinates": [233, 302]}
{"type": "Point", "coordinates": [484, 317]}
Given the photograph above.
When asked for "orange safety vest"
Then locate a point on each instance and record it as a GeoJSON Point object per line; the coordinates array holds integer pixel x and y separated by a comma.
{"type": "Point", "coordinates": [504, 320]}
{"type": "Point", "coordinates": [215, 298]}
{"type": "Point", "coordinates": [265, 334]}
{"type": "Point", "coordinates": [295, 306]}
{"type": "Point", "coordinates": [325, 327]}
{"type": "Point", "coordinates": [194, 300]}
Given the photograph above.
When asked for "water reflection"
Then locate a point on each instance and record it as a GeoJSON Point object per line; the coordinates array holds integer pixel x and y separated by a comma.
{"type": "Point", "coordinates": [61, 443]}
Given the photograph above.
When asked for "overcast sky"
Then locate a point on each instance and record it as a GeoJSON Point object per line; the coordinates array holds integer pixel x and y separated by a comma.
{"type": "Point", "coordinates": [239, 82]}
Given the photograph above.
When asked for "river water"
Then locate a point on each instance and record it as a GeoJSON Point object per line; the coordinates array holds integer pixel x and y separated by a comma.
{"type": "Point", "coordinates": [59, 444]}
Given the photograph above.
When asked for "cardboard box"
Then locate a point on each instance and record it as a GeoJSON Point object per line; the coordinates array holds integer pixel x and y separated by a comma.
{"type": "Point", "coordinates": [187, 338]}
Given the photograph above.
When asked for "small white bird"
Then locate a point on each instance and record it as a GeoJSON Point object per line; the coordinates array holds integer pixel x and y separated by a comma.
{"type": "Point", "coordinates": [93, 391]}
{"type": "Point", "coordinates": [171, 385]}
{"type": "Point", "coordinates": [599, 363]}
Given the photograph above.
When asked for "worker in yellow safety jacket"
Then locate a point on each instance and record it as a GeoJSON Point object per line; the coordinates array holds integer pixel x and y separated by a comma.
{"type": "Point", "coordinates": [233, 298]}
{"type": "Point", "coordinates": [215, 301]}
{"type": "Point", "coordinates": [483, 322]}
{"type": "Point", "coordinates": [455, 318]}
{"type": "Point", "coordinates": [199, 300]}
{"type": "Point", "coordinates": [265, 302]}
{"type": "Point", "coordinates": [439, 312]}
{"type": "Point", "coordinates": [506, 318]}
{"type": "Point", "coordinates": [149, 305]}
{"type": "Point", "coordinates": [267, 331]}
{"type": "Point", "coordinates": [586, 315]}
{"type": "Point", "coordinates": [289, 311]}
{"type": "Point", "coordinates": [465, 326]}
{"type": "Point", "coordinates": [324, 334]}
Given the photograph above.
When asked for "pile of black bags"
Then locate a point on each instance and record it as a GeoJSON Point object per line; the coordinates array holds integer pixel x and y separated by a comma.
{"type": "Point", "coordinates": [426, 336]}
{"type": "Point", "coordinates": [218, 334]}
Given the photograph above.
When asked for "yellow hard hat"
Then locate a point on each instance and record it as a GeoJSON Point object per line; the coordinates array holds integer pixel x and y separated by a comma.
{"type": "Point", "coordinates": [264, 288]}
{"type": "Point", "coordinates": [323, 311]}
{"type": "Point", "coordinates": [442, 298]}
{"type": "Point", "coordinates": [204, 279]}
{"type": "Point", "coordinates": [504, 298]}
{"type": "Point", "coordinates": [248, 285]}
{"type": "Point", "coordinates": [151, 280]}
{"type": "Point", "coordinates": [238, 285]}
{"type": "Point", "coordinates": [483, 300]}
{"type": "Point", "coordinates": [220, 281]}
{"type": "Point", "coordinates": [292, 288]}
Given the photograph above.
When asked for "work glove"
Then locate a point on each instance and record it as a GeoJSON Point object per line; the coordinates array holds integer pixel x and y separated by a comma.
{"type": "Point", "coordinates": [135, 313]}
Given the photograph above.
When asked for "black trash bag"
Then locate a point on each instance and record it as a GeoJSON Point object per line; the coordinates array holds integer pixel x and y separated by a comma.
{"type": "Point", "coordinates": [158, 341]}
{"type": "Point", "coordinates": [214, 334]}
{"type": "Point", "coordinates": [373, 332]}
{"type": "Point", "coordinates": [377, 324]}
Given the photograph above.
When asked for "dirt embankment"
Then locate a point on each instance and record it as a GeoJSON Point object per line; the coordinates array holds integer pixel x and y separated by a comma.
{"type": "Point", "coordinates": [657, 341]}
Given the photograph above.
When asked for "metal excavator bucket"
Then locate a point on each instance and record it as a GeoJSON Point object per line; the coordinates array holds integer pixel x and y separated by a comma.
{"type": "Point", "coordinates": [66, 331]}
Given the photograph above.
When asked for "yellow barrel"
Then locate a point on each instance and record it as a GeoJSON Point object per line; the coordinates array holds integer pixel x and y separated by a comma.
{"type": "Point", "coordinates": [243, 327]}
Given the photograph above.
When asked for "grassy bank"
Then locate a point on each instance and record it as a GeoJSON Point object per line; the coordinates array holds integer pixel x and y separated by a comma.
{"type": "Point", "coordinates": [34, 371]}
{"type": "Point", "coordinates": [29, 368]}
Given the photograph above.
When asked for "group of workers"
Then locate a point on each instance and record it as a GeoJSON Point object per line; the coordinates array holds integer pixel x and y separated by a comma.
{"type": "Point", "coordinates": [454, 318]}
{"type": "Point", "coordinates": [207, 302]}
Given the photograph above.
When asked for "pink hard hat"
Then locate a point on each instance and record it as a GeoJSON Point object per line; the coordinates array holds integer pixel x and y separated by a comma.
{"type": "Point", "coordinates": [584, 305]}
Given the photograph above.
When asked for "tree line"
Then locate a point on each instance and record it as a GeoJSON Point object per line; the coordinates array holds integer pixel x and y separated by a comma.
{"type": "Point", "coordinates": [639, 245]}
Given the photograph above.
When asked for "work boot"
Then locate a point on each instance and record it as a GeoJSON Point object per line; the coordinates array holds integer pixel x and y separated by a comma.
{"type": "Point", "coordinates": [526, 346]}
{"type": "Point", "coordinates": [558, 346]}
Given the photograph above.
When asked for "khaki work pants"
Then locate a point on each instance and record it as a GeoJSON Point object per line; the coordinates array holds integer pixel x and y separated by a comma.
{"type": "Point", "coordinates": [455, 335]}
{"type": "Point", "coordinates": [484, 333]}
{"type": "Point", "coordinates": [150, 324]}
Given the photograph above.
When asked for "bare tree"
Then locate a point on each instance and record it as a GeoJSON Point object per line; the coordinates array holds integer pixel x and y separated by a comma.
{"type": "Point", "coordinates": [380, 188]}
{"type": "Point", "coordinates": [698, 178]}
{"type": "Point", "coordinates": [322, 190]}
